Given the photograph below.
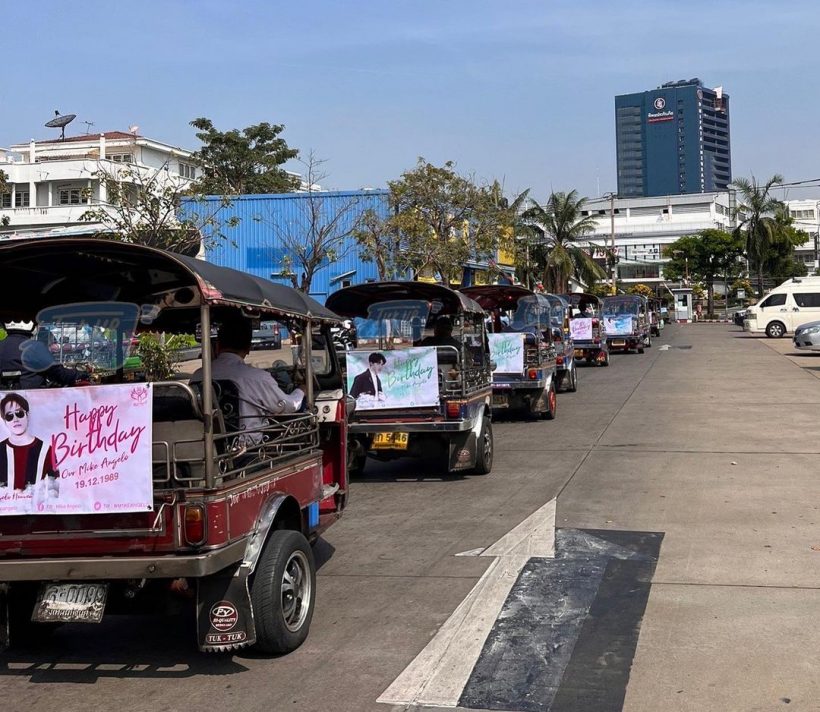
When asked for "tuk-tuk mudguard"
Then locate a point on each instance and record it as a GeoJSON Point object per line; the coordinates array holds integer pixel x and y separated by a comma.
{"type": "Point", "coordinates": [225, 618]}
{"type": "Point", "coordinates": [464, 445]}
{"type": "Point", "coordinates": [223, 611]}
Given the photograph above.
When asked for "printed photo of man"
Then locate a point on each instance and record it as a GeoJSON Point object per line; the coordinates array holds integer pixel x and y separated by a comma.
{"type": "Point", "coordinates": [25, 460]}
{"type": "Point", "coordinates": [368, 383]}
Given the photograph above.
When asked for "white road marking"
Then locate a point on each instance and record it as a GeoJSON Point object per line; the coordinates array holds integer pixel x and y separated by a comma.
{"type": "Point", "coordinates": [472, 552]}
{"type": "Point", "coordinates": [665, 347]}
{"type": "Point", "coordinates": [438, 674]}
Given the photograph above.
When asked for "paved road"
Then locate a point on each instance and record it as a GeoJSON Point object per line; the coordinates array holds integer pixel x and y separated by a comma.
{"type": "Point", "coordinates": [707, 453]}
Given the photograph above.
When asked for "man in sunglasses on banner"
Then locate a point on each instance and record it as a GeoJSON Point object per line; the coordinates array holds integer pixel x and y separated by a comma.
{"type": "Point", "coordinates": [24, 459]}
{"type": "Point", "coordinates": [27, 363]}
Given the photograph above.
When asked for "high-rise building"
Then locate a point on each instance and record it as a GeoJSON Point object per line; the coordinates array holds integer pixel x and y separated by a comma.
{"type": "Point", "coordinates": [673, 140]}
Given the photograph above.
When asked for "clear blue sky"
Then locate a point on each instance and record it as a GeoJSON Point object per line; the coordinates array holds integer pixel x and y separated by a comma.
{"type": "Point", "coordinates": [519, 91]}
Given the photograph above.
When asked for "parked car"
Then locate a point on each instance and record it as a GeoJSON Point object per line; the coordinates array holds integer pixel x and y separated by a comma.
{"type": "Point", "coordinates": [267, 336]}
{"type": "Point", "coordinates": [807, 336]}
{"type": "Point", "coordinates": [784, 308]}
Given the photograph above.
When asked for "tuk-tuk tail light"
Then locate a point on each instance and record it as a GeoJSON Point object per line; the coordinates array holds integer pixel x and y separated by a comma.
{"type": "Point", "coordinates": [453, 409]}
{"type": "Point", "coordinates": [532, 374]}
{"type": "Point", "coordinates": [195, 529]}
{"type": "Point", "coordinates": [559, 360]}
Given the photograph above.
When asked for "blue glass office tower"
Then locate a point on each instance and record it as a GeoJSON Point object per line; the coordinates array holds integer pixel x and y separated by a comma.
{"type": "Point", "coordinates": [673, 140]}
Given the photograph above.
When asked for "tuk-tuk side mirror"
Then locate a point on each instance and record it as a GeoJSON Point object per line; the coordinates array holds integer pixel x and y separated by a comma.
{"type": "Point", "coordinates": [493, 365]}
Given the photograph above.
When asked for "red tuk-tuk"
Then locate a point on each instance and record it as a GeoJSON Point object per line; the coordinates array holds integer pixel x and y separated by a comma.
{"type": "Point", "coordinates": [587, 327]}
{"type": "Point", "coordinates": [165, 489]}
{"type": "Point", "coordinates": [524, 350]}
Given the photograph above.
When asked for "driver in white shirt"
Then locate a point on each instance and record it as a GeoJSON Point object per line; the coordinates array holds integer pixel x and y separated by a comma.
{"type": "Point", "coordinates": [259, 394]}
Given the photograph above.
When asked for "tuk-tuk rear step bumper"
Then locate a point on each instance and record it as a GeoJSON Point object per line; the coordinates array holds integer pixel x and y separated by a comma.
{"type": "Point", "coordinates": [122, 567]}
{"type": "Point", "coordinates": [455, 426]}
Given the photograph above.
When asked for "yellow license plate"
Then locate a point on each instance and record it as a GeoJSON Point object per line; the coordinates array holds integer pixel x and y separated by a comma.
{"type": "Point", "coordinates": [618, 342]}
{"type": "Point", "coordinates": [579, 352]}
{"type": "Point", "coordinates": [390, 441]}
{"type": "Point", "coordinates": [500, 401]}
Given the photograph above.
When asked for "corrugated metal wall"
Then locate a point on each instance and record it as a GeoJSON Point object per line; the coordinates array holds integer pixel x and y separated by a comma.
{"type": "Point", "coordinates": [255, 244]}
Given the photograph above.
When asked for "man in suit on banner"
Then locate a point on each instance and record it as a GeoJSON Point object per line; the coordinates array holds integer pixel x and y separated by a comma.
{"type": "Point", "coordinates": [368, 383]}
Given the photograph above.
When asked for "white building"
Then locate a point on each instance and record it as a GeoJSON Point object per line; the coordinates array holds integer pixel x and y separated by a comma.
{"type": "Point", "coordinates": [644, 227]}
{"type": "Point", "coordinates": [806, 214]}
{"type": "Point", "coordinates": [53, 182]}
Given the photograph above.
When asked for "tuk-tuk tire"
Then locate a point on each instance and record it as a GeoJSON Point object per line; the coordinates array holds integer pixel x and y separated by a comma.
{"type": "Point", "coordinates": [571, 379]}
{"type": "Point", "coordinates": [484, 454]}
{"type": "Point", "coordinates": [284, 547]}
{"type": "Point", "coordinates": [552, 404]}
{"type": "Point", "coordinates": [640, 349]}
{"type": "Point", "coordinates": [605, 362]}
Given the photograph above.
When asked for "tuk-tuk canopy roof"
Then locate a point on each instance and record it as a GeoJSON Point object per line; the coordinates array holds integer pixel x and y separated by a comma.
{"type": "Point", "coordinates": [354, 301]}
{"type": "Point", "coordinates": [629, 298]}
{"type": "Point", "coordinates": [46, 271]}
{"type": "Point", "coordinates": [497, 296]}
{"type": "Point", "coordinates": [575, 298]}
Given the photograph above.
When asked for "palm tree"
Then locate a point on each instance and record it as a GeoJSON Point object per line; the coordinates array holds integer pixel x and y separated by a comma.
{"type": "Point", "coordinates": [559, 228]}
{"type": "Point", "coordinates": [757, 206]}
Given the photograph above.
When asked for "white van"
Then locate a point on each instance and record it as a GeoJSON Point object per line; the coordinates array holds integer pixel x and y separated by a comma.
{"type": "Point", "coordinates": [782, 310]}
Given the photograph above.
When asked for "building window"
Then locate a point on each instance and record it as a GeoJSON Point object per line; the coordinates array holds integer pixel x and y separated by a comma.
{"type": "Point", "coordinates": [186, 170]}
{"type": "Point", "coordinates": [5, 200]}
{"type": "Point", "coordinates": [21, 199]}
{"type": "Point", "coordinates": [71, 196]}
{"type": "Point", "coordinates": [121, 157]}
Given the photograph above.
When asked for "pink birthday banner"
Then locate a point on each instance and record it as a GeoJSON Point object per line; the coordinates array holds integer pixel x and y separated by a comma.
{"type": "Point", "coordinates": [76, 450]}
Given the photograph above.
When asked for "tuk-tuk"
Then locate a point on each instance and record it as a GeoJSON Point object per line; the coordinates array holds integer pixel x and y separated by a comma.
{"type": "Point", "coordinates": [165, 491]}
{"type": "Point", "coordinates": [587, 328]}
{"type": "Point", "coordinates": [521, 347]}
{"type": "Point", "coordinates": [626, 322]}
{"type": "Point", "coordinates": [656, 321]}
{"type": "Point", "coordinates": [560, 318]}
{"type": "Point", "coordinates": [419, 373]}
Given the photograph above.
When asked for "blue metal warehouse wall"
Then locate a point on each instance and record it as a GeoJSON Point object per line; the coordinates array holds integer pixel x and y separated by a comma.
{"type": "Point", "coordinates": [255, 244]}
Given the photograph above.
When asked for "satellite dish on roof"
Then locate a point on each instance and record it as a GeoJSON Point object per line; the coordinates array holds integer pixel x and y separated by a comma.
{"type": "Point", "coordinates": [60, 121]}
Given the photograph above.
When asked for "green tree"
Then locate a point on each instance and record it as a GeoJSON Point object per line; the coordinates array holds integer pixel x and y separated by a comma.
{"type": "Point", "coordinates": [317, 233]}
{"type": "Point", "coordinates": [145, 206]}
{"type": "Point", "coordinates": [444, 219]}
{"type": "Point", "coordinates": [707, 256]}
{"type": "Point", "coordinates": [757, 224]}
{"type": "Point", "coordinates": [379, 242]}
{"type": "Point", "coordinates": [248, 161]}
{"type": "Point", "coordinates": [558, 228]}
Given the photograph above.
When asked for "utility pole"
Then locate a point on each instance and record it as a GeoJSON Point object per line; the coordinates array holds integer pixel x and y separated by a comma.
{"type": "Point", "coordinates": [611, 257]}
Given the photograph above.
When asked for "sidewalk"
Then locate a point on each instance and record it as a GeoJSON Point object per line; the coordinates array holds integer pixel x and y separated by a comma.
{"type": "Point", "coordinates": [717, 448]}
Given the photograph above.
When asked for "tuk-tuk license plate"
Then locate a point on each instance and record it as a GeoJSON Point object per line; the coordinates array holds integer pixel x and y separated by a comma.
{"type": "Point", "coordinates": [500, 401]}
{"type": "Point", "coordinates": [618, 342]}
{"type": "Point", "coordinates": [390, 441]}
{"type": "Point", "coordinates": [71, 603]}
{"type": "Point", "coordinates": [579, 353]}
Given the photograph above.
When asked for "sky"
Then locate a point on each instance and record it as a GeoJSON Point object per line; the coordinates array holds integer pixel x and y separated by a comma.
{"type": "Point", "coordinates": [518, 91]}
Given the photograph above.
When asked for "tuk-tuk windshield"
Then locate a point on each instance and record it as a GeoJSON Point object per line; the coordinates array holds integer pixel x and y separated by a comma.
{"type": "Point", "coordinates": [95, 333]}
{"type": "Point", "coordinates": [530, 315]}
{"type": "Point", "coordinates": [396, 324]}
{"type": "Point", "coordinates": [622, 307]}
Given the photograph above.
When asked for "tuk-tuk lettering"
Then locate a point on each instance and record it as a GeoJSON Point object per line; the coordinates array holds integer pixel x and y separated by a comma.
{"type": "Point", "coordinates": [410, 373]}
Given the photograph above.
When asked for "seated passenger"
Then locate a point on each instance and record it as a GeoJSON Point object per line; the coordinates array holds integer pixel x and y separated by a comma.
{"type": "Point", "coordinates": [442, 334]}
{"type": "Point", "coordinates": [259, 394]}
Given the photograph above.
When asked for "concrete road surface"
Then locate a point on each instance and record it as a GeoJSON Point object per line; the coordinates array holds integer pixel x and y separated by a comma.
{"type": "Point", "coordinates": [684, 573]}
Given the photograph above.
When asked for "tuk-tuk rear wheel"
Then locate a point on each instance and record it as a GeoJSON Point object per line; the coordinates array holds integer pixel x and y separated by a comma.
{"type": "Point", "coordinates": [283, 593]}
{"type": "Point", "coordinates": [484, 448]}
{"type": "Point", "coordinates": [572, 379]}
{"type": "Point", "coordinates": [552, 403]}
